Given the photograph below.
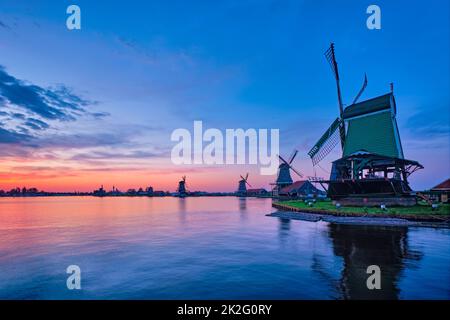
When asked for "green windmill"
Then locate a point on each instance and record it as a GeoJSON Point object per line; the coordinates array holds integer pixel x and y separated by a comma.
{"type": "Point", "coordinates": [372, 169]}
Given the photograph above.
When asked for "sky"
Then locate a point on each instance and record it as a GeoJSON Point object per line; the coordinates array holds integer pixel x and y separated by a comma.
{"type": "Point", "coordinates": [97, 106]}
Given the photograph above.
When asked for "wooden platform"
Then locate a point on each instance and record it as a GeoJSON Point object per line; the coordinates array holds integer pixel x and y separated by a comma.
{"type": "Point", "coordinates": [361, 201]}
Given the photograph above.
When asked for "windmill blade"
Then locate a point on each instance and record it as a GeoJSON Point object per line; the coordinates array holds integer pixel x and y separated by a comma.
{"type": "Point", "coordinates": [248, 184]}
{"type": "Point", "coordinates": [294, 153]}
{"type": "Point", "coordinates": [246, 177]}
{"type": "Point", "coordinates": [281, 158]}
{"type": "Point", "coordinates": [242, 177]}
{"type": "Point", "coordinates": [361, 90]}
{"type": "Point", "coordinates": [297, 172]}
{"type": "Point", "coordinates": [331, 58]}
{"type": "Point", "coordinates": [326, 143]}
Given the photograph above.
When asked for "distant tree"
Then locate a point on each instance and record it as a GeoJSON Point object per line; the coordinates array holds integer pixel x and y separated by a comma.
{"type": "Point", "coordinates": [15, 191]}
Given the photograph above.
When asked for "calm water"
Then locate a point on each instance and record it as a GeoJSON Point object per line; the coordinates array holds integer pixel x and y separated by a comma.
{"type": "Point", "coordinates": [207, 248]}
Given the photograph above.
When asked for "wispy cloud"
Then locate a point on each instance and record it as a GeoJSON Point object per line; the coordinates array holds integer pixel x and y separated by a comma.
{"type": "Point", "coordinates": [36, 124]}
{"type": "Point", "coordinates": [136, 154]}
{"type": "Point", "coordinates": [430, 124]}
{"type": "Point", "coordinates": [27, 110]}
{"type": "Point", "coordinates": [4, 25]}
{"type": "Point", "coordinates": [58, 103]}
{"type": "Point", "coordinates": [11, 137]}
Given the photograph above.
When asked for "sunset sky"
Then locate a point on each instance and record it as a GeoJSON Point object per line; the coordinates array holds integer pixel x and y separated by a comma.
{"type": "Point", "coordinates": [95, 106]}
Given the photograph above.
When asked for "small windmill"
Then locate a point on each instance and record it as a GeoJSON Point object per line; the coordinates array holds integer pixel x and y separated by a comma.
{"type": "Point", "coordinates": [243, 184]}
{"type": "Point", "coordinates": [182, 186]}
{"type": "Point", "coordinates": [284, 178]}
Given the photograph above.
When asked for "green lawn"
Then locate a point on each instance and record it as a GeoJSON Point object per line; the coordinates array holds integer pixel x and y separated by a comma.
{"type": "Point", "coordinates": [420, 209]}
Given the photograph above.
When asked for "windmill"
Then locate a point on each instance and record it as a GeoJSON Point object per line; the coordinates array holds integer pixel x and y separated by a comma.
{"type": "Point", "coordinates": [242, 189]}
{"type": "Point", "coordinates": [284, 178]}
{"type": "Point", "coordinates": [332, 135]}
{"type": "Point", "coordinates": [372, 161]}
{"type": "Point", "coordinates": [182, 186]}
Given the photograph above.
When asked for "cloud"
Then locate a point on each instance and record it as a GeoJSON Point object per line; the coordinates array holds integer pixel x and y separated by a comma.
{"type": "Point", "coordinates": [136, 154]}
{"type": "Point", "coordinates": [19, 116]}
{"type": "Point", "coordinates": [100, 115]}
{"type": "Point", "coordinates": [79, 141]}
{"type": "Point", "coordinates": [36, 124]}
{"type": "Point", "coordinates": [23, 130]}
{"type": "Point", "coordinates": [29, 109]}
{"type": "Point", "coordinates": [428, 124]}
{"type": "Point", "coordinates": [12, 137]}
{"type": "Point", "coordinates": [58, 103]}
{"type": "Point", "coordinates": [4, 25]}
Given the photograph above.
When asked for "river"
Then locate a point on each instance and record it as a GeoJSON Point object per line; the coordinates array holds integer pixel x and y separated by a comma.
{"type": "Point", "coordinates": [207, 248]}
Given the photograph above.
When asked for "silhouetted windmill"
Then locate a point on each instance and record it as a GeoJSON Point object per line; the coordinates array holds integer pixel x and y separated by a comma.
{"type": "Point", "coordinates": [182, 186]}
{"type": "Point", "coordinates": [243, 184]}
{"type": "Point", "coordinates": [284, 178]}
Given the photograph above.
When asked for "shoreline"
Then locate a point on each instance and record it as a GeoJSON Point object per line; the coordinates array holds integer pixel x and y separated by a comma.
{"type": "Point", "coordinates": [335, 216]}
{"type": "Point", "coordinates": [361, 221]}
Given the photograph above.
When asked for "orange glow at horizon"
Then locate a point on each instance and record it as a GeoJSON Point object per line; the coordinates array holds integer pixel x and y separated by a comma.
{"type": "Point", "coordinates": [198, 179]}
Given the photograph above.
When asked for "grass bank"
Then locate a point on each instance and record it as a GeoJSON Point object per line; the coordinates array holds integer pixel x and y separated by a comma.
{"type": "Point", "coordinates": [420, 211]}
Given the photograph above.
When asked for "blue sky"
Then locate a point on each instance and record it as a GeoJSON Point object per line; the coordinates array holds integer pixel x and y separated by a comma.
{"type": "Point", "coordinates": [144, 68]}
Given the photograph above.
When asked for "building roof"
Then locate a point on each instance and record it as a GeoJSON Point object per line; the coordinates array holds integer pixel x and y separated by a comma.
{"type": "Point", "coordinates": [293, 187]}
{"type": "Point", "coordinates": [378, 157]}
{"type": "Point", "coordinates": [369, 106]}
{"type": "Point", "coordinates": [257, 190]}
{"type": "Point", "coordinates": [445, 185]}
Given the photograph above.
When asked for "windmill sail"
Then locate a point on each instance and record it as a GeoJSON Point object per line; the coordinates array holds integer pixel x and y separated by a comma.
{"type": "Point", "coordinates": [245, 180]}
{"type": "Point", "coordinates": [331, 58]}
{"type": "Point", "coordinates": [361, 90]}
{"type": "Point", "coordinates": [326, 143]}
{"type": "Point", "coordinates": [291, 158]}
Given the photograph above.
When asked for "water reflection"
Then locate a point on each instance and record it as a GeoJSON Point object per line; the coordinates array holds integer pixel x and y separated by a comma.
{"type": "Point", "coordinates": [283, 229]}
{"type": "Point", "coordinates": [162, 248]}
{"type": "Point", "coordinates": [243, 208]}
{"type": "Point", "coordinates": [362, 246]}
{"type": "Point", "coordinates": [182, 209]}
{"type": "Point", "coordinates": [359, 247]}
{"type": "Point", "coordinates": [242, 204]}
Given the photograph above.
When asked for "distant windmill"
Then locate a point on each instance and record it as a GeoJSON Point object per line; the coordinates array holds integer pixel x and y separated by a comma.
{"type": "Point", "coordinates": [243, 184]}
{"type": "Point", "coordinates": [182, 186]}
{"type": "Point", "coordinates": [284, 178]}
